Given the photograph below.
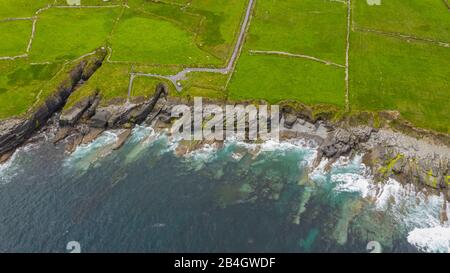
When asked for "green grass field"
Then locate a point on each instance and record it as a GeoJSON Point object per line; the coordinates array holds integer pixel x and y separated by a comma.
{"type": "Point", "coordinates": [93, 2]}
{"type": "Point", "coordinates": [212, 23]}
{"type": "Point", "coordinates": [421, 18]}
{"type": "Point", "coordinates": [21, 8]}
{"type": "Point", "coordinates": [116, 86]}
{"type": "Point", "coordinates": [14, 36]}
{"type": "Point", "coordinates": [413, 78]}
{"type": "Point", "coordinates": [143, 39]}
{"type": "Point", "coordinates": [23, 85]}
{"type": "Point", "coordinates": [310, 27]}
{"type": "Point", "coordinates": [266, 77]}
{"type": "Point", "coordinates": [388, 68]}
{"type": "Point", "coordinates": [72, 32]}
{"type": "Point", "coordinates": [277, 78]}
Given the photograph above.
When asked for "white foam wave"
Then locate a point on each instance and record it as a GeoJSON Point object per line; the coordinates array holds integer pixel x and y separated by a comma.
{"type": "Point", "coordinates": [417, 211]}
{"type": "Point", "coordinates": [140, 133]}
{"type": "Point", "coordinates": [8, 170]}
{"type": "Point", "coordinates": [272, 145]}
{"type": "Point", "coordinates": [200, 157]}
{"type": "Point", "coordinates": [346, 175]}
{"type": "Point", "coordinates": [86, 154]}
{"type": "Point", "coordinates": [435, 239]}
{"type": "Point", "coordinates": [11, 167]}
{"type": "Point", "coordinates": [351, 182]}
{"type": "Point", "coordinates": [143, 137]}
{"type": "Point", "coordinates": [205, 153]}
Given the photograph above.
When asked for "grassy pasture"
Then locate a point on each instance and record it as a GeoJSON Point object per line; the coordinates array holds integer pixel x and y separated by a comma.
{"type": "Point", "coordinates": [72, 32]}
{"type": "Point", "coordinates": [208, 85]}
{"type": "Point", "coordinates": [213, 25]}
{"type": "Point", "coordinates": [310, 27]}
{"type": "Point", "coordinates": [93, 2]}
{"type": "Point", "coordinates": [391, 74]}
{"type": "Point", "coordinates": [143, 39]}
{"type": "Point", "coordinates": [14, 37]}
{"type": "Point", "coordinates": [221, 25]}
{"type": "Point", "coordinates": [275, 78]}
{"type": "Point", "coordinates": [21, 85]}
{"type": "Point", "coordinates": [145, 87]}
{"type": "Point", "coordinates": [162, 37]}
{"type": "Point", "coordinates": [422, 18]}
{"type": "Point", "coordinates": [21, 8]}
{"type": "Point", "coordinates": [110, 80]}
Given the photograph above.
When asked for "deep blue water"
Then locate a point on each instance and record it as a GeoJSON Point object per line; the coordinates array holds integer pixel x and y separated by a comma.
{"type": "Point", "coordinates": [144, 198]}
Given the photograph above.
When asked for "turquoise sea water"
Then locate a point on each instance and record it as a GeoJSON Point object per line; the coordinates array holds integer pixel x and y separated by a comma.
{"type": "Point", "coordinates": [236, 198]}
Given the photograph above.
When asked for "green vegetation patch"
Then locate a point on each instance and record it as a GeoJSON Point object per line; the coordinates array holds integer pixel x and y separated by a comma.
{"type": "Point", "coordinates": [213, 24]}
{"type": "Point", "coordinates": [110, 81]}
{"type": "Point", "coordinates": [219, 29]}
{"type": "Point", "coordinates": [140, 38]}
{"type": "Point", "coordinates": [23, 85]}
{"type": "Point", "coordinates": [68, 33]}
{"type": "Point", "coordinates": [91, 2]}
{"type": "Point", "coordinates": [203, 84]}
{"type": "Point", "coordinates": [391, 74]}
{"type": "Point", "coordinates": [14, 37]}
{"type": "Point", "coordinates": [145, 86]}
{"type": "Point", "coordinates": [275, 78]}
{"type": "Point", "coordinates": [310, 27]}
{"type": "Point", "coordinates": [422, 18]}
{"type": "Point", "coordinates": [21, 8]}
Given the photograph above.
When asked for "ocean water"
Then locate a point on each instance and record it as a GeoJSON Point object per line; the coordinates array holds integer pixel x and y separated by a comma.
{"type": "Point", "coordinates": [235, 198]}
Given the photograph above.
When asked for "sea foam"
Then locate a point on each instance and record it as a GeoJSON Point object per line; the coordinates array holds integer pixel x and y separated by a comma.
{"type": "Point", "coordinates": [435, 239]}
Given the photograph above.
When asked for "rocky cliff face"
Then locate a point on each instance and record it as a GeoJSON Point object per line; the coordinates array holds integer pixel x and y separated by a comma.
{"type": "Point", "coordinates": [389, 153]}
{"type": "Point", "coordinates": [85, 121]}
{"type": "Point", "coordinates": [16, 131]}
{"type": "Point", "coordinates": [420, 163]}
{"type": "Point", "coordinates": [419, 157]}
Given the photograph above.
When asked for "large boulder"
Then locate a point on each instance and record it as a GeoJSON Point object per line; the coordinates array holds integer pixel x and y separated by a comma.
{"type": "Point", "coordinates": [343, 141]}
{"type": "Point", "coordinates": [289, 120]}
{"type": "Point", "coordinates": [72, 115]}
{"type": "Point", "coordinates": [100, 119]}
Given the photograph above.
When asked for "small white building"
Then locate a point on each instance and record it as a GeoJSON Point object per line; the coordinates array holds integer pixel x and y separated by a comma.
{"type": "Point", "coordinates": [74, 2]}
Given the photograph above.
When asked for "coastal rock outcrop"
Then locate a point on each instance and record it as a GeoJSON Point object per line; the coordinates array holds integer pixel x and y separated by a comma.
{"type": "Point", "coordinates": [289, 120]}
{"type": "Point", "coordinates": [16, 131]}
{"type": "Point", "coordinates": [342, 141]}
{"type": "Point", "coordinates": [85, 121]}
{"type": "Point", "coordinates": [72, 115]}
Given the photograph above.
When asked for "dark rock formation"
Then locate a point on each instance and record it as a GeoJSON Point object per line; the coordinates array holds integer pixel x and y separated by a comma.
{"type": "Point", "coordinates": [62, 133]}
{"type": "Point", "coordinates": [342, 141]}
{"type": "Point", "coordinates": [71, 116]}
{"type": "Point", "coordinates": [289, 120]}
{"type": "Point", "coordinates": [100, 119]}
{"type": "Point", "coordinates": [85, 121]}
{"type": "Point", "coordinates": [431, 172]}
{"type": "Point", "coordinates": [15, 132]}
{"type": "Point", "coordinates": [121, 138]}
{"type": "Point", "coordinates": [116, 116]}
{"type": "Point", "coordinates": [139, 114]}
{"type": "Point", "coordinates": [92, 134]}
{"type": "Point", "coordinates": [73, 142]}
{"type": "Point", "coordinates": [90, 111]}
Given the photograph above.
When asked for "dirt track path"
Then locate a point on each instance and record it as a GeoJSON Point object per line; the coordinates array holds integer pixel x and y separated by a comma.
{"type": "Point", "coordinates": [282, 53]}
{"type": "Point", "coordinates": [404, 36]}
{"type": "Point", "coordinates": [347, 54]}
{"type": "Point", "coordinates": [175, 79]}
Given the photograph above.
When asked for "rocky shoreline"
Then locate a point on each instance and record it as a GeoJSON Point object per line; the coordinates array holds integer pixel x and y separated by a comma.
{"type": "Point", "coordinates": [15, 132]}
{"type": "Point", "coordinates": [424, 162]}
